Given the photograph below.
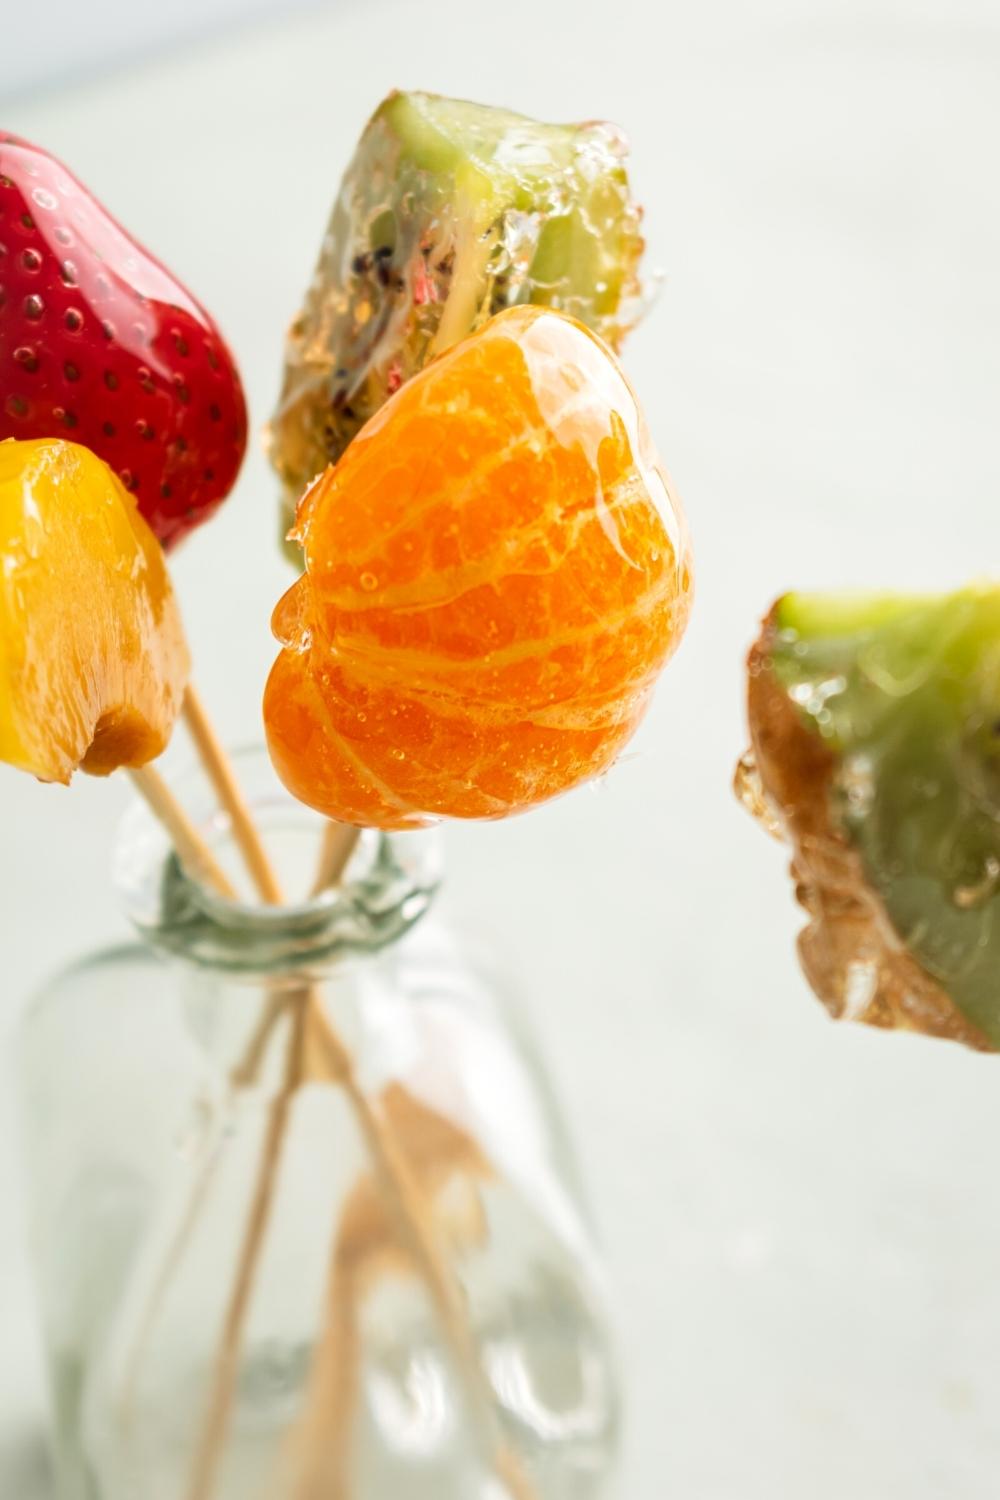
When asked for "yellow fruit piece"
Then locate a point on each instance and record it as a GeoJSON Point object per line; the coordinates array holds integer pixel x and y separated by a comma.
{"type": "Point", "coordinates": [93, 661]}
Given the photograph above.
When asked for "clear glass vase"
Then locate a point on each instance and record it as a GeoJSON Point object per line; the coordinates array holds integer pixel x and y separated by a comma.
{"type": "Point", "coordinates": [304, 1220]}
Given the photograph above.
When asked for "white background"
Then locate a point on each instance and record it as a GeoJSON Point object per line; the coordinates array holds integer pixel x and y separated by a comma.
{"type": "Point", "coordinates": [61, 41]}
{"type": "Point", "coordinates": [803, 1222]}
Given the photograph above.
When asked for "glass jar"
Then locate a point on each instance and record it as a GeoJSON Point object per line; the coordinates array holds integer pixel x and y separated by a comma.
{"type": "Point", "coordinates": [304, 1220]}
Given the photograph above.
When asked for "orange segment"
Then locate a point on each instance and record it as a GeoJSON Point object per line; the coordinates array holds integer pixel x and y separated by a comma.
{"type": "Point", "coordinates": [93, 661]}
{"type": "Point", "coordinates": [496, 572]}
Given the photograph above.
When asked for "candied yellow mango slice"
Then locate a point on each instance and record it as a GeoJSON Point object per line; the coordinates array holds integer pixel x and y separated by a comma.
{"type": "Point", "coordinates": [93, 661]}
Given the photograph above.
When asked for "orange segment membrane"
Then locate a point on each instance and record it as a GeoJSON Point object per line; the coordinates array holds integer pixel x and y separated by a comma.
{"type": "Point", "coordinates": [496, 572]}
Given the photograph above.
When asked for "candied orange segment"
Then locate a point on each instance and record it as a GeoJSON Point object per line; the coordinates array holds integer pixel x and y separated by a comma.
{"type": "Point", "coordinates": [496, 572]}
{"type": "Point", "coordinates": [93, 661]}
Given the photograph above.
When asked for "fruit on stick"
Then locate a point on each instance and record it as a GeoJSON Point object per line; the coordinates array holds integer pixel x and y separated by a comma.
{"type": "Point", "coordinates": [101, 345]}
{"type": "Point", "coordinates": [875, 727]}
{"type": "Point", "coordinates": [496, 572]}
{"type": "Point", "coordinates": [449, 212]}
{"type": "Point", "coordinates": [93, 661]}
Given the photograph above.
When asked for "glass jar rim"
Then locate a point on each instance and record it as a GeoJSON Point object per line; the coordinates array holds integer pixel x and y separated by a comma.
{"type": "Point", "coordinates": [388, 884]}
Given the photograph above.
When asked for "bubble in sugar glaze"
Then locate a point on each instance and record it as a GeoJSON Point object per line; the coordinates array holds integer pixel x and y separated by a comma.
{"type": "Point", "coordinates": [813, 696]}
{"type": "Point", "coordinates": [857, 785]}
{"type": "Point", "coordinates": [967, 897]}
{"type": "Point", "coordinates": [749, 789]}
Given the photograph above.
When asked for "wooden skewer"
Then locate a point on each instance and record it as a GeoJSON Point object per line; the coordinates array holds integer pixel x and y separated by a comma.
{"type": "Point", "coordinates": [211, 1444]}
{"type": "Point", "coordinates": [321, 1452]}
{"type": "Point", "coordinates": [414, 1220]}
{"type": "Point", "coordinates": [192, 851]}
{"type": "Point", "coordinates": [199, 861]}
{"type": "Point", "coordinates": [230, 794]}
{"type": "Point", "coordinates": [243, 1076]}
{"type": "Point", "coordinates": [403, 1195]}
{"type": "Point", "coordinates": [339, 843]}
{"type": "Point", "coordinates": [339, 839]}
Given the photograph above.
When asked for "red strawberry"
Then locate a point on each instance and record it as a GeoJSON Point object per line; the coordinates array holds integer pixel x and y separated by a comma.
{"type": "Point", "coordinates": [99, 343]}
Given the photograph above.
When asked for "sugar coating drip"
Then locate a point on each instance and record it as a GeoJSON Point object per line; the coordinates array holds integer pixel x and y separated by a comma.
{"type": "Point", "coordinates": [449, 213]}
{"type": "Point", "coordinates": [496, 572]}
{"type": "Point", "coordinates": [100, 344]}
{"type": "Point", "coordinates": [875, 725]}
{"type": "Point", "coordinates": [93, 661]}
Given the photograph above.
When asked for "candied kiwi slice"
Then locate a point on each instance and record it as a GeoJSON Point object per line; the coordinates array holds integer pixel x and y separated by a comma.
{"type": "Point", "coordinates": [875, 728]}
{"type": "Point", "coordinates": [448, 213]}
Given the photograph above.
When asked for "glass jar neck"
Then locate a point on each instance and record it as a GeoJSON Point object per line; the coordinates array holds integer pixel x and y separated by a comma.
{"type": "Point", "coordinates": [387, 885]}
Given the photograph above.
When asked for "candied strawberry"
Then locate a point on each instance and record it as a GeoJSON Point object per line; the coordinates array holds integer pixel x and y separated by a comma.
{"type": "Point", "coordinates": [100, 344]}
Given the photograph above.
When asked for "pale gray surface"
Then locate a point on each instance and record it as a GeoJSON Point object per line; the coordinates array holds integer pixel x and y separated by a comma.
{"type": "Point", "coordinates": [803, 1222]}
{"type": "Point", "coordinates": [75, 40]}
